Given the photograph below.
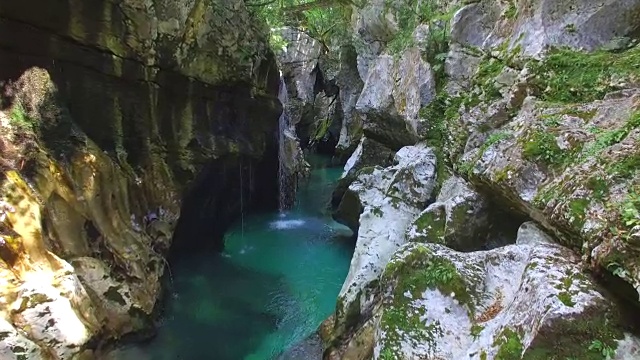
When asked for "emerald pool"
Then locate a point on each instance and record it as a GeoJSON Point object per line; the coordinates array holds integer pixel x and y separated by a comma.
{"type": "Point", "coordinates": [275, 282]}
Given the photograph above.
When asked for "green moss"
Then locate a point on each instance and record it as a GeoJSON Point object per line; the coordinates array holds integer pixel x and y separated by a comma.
{"type": "Point", "coordinates": [598, 186]}
{"type": "Point", "coordinates": [377, 211]}
{"type": "Point", "coordinates": [19, 119]}
{"type": "Point", "coordinates": [572, 337]}
{"type": "Point", "coordinates": [542, 146]}
{"type": "Point", "coordinates": [510, 345]}
{"type": "Point", "coordinates": [565, 297]}
{"type": "Point", "coordinates": [429, 273]}
{"type": "Point", "coordinates": [512, 11]}
{"type": "Point", "coordinates": [476, 330]}
{"type": "Point", "coordinates": [321, 129]}
{"type": "Point", "coordinates": [483, 355]}
{"type": "Point", "coordinates": [431, 226]}
{"type": "Point", "coordinates": [578, 211]}
{"type": "Point", "coordinates": [570, 76]}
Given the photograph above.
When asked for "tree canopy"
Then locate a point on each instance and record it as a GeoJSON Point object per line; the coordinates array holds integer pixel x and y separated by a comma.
{"type": "Point", "coordinates": [324, 20]}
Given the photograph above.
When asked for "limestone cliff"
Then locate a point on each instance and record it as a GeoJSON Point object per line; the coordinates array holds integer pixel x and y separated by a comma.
{"type": "Point", "coordinates": [531, 108]}
{"type": "Point", "coordinates": [115, 114]}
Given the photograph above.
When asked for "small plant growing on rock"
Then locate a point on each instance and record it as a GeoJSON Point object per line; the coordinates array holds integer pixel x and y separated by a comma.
{"type": "Point", "coordinates": [630, 211]}
{"type": "Point", "coordinates": [607, 351]}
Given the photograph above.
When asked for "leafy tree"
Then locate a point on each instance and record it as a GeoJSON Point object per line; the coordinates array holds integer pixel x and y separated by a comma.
{"type": "Point", "coordinates": [324, 20]}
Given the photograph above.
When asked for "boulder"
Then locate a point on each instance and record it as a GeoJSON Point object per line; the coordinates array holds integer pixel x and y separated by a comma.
{"type": "Point", "coordinates": [380, 205]}
{"type": "Point", "coordinates": [56, 313]}
{"type": "Point", "coordinates": [519, 301]}
{"type": "Point", "coordinates": [369, 153]}
{"type": "Point", "coordinates": [115, 298]}
{"type": "Point", "coordinates": [458, 219]}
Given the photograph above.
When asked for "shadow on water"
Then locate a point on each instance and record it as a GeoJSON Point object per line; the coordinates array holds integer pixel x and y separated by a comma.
{"type": "Point", "coordinates": [215, 309]}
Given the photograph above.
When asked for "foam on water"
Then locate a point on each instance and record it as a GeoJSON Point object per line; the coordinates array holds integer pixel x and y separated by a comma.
{"type": "Point", "coordinates": [286, 224]}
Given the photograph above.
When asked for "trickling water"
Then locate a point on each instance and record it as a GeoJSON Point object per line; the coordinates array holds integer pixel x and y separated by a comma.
{"type": "Point", "coordinates": [241, 201]}
{"type": "Point", "coordinates": [286, 187]}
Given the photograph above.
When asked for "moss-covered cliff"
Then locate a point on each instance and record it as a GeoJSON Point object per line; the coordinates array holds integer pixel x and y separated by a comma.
{"type": "Point", "coordinates": [115, 114]}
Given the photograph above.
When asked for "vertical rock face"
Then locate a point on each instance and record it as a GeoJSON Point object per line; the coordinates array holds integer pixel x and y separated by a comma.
{"type": "Point", "coordinates": [114, 116]}
{"type": "Point", "coordinates": [538, 115]}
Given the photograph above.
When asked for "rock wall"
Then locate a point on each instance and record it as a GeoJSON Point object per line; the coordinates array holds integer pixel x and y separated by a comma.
{"type": "Point", "coordinates": [532, 111]}
{"type": "Point", "coordinates": [114, 116]}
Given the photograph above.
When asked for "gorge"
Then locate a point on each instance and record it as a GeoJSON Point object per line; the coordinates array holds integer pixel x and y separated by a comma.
{"type": "Point", "coordinates": [380, 179]}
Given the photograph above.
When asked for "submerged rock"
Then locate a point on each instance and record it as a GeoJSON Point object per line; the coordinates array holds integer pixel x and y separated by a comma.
{"type": "Point", "coordinates": [380, 204]}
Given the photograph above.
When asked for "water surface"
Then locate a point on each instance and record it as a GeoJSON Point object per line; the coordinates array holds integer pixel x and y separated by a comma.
{"type": "Point", "coordinates": [277, 279]}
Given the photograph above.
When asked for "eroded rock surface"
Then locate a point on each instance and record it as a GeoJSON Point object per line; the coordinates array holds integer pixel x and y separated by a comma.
{"type": "Point", "coordinates": [517, 301]}
{"type": "Point", "coordinates": [380, 204]}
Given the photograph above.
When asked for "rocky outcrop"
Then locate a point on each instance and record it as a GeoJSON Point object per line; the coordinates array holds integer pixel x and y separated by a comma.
{"type": "Point", "coordinates": [313, 102]}
{"type": "Point", "coordinates": [551, 131]}
{"type": "Point", "coordinates": [458, 219]}
{"type": "Point", "coordinates": [350, 85]}
{"type": "Point", "coordinates": [379, 205]}
{"type": "Point", "coordinates": [369, 153]}
{"type": "Point", "coordinates": [518, 301]}
{"type": "Point", "coordinates": [538, 118]}
{"type": "Point", "coordinates": [393, 93]}
{"type": "Point", "coordinates": [112, 121]}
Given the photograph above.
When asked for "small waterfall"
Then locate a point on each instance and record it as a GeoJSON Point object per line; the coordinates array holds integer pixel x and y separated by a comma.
{"type": "Point", "coordinates": [286, 182]}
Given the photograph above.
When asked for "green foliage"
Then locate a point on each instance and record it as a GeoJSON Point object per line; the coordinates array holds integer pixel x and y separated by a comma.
{"type": "Point", "coordinates": [324, 20]}
{"type": "Point", "coordinates": [410, 14]}
{"type": "Point", "coordinates": [570, 76]}
{"type": "Point", "coordinates": [476, 330]}
{"type": "Point", "coordinates": [512, 10]}
{"type": "Point", "coordinates": [19, 118]}
{"type": "Point", "coordinates": [604, 349]}
{"type": "Point", "coordinates": [599, 187]}
{"type": "Point", "coordinates": [631, 210]}
{"type": "Point", "coordinates": [510, 345]}
{"type": "Point", "coordinates": [542, 146]}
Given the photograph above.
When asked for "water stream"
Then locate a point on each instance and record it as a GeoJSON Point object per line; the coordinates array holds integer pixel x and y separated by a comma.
{"type": "Point", "coordinates": [285, 187]}
{"type": "Point", "coordinates": [272, 286]}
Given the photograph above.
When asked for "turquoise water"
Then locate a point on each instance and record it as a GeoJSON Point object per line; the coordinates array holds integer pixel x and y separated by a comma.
{"type": "Point", "coordinates": [276, 281]}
